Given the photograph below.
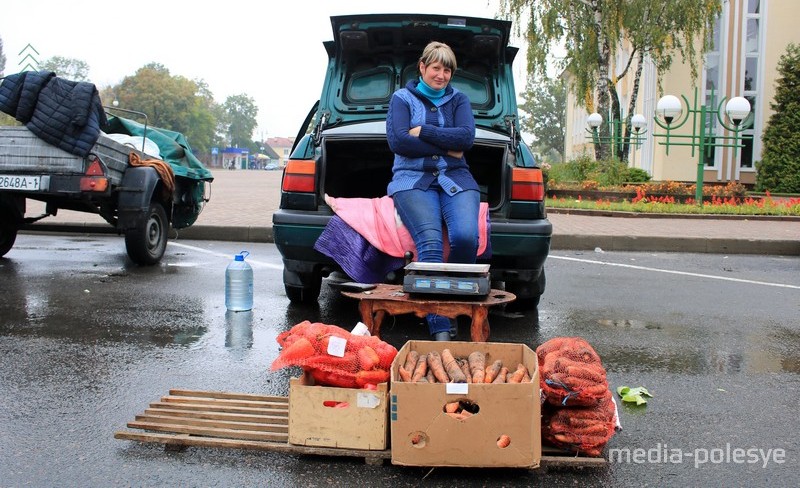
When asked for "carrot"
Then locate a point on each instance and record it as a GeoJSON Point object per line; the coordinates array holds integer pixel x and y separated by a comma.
{"type": "Point", "coordinates": [594, 375]}
{"type": "Point", "coordinates": [527, 377]}
{"type": "Point", "coordinates": [492, 371]}
{"type": "Point", "coordinates": [430, 377]}
{"type": "Point", "coordinates": [597, 428]}
{"type": "Point", "coordinates": [451, 407]}
{"type": "Point", "coordinates": [503, 441]}
{"type": "Point", "coordinates": [477, 366]}
{"type": "Point", "coordinates": [501, 376]}
{"type": "Point", "coordinates": [596, 390]}
{"type": "Point", "coordinates": [367, 358]}
{"type": "Point", "coordinates": [516, 376]}
{"type": "Point", "coordinates": [420, 370]}
{"type": "Point", "coordinates": [465, 369]}
{"type": "Point", "coordinates": [411, 361]}
{"type": "Point", "coordinates": [454, 373]}
{"type": "Point", "coordinates": [405, 376]}
{"type": "Point", "coordinates": [387, 353]}
{"type": "Point", "coordinates": [348, 362]}
{"type": "Point", "coordinates": [297, 351]}
{"type": "Point", "coordinates": [372, 377]}
{"type": "Point", "coordinates": [437, 367]}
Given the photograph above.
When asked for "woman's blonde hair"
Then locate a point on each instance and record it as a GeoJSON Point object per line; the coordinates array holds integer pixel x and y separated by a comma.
{"type": "Point", "coordinates": [438, 52]}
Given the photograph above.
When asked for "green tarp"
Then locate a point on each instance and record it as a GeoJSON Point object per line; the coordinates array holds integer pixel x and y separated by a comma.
{"type": "Point", "coordinates": [173, 146]}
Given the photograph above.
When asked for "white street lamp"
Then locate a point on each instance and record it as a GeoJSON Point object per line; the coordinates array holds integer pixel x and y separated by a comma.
{"type": "Point", "coordinates": [737, 108]}
{"type": "Point", "coordinates": [594, 120]}
{"type": "Point", "coordinates": [638, 122]}
{"type": "Point", "coordinates": [669, 107]}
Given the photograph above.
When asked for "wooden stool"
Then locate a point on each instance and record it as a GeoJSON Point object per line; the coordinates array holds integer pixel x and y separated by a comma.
{"type": "Point", "coordinates": [375, 304]}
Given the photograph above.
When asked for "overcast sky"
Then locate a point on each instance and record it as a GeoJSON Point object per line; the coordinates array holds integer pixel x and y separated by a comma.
{"type": "Point", "coordinates": [271, 51]}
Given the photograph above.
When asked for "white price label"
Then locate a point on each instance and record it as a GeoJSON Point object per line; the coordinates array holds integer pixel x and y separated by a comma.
{"type": "Point", "coordinates": [336, 346]}
{"type": "Point", "coordinates": [457, 388]}
{"type": "Point", "coordinates": [367, 400]}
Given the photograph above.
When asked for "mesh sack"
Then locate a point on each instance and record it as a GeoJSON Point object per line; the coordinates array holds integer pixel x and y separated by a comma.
{"type": "Point", "coordinates": [366, 360]}
{"type": "Point", "coordinates": [571, 373]}
{"type": "Point", "coordinates": [583, 430]}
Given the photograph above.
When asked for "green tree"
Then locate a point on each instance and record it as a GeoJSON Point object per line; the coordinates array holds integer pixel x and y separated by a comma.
{"type": "Point", "coordinates": [69, 68]}
{"type": "Point", "coordinates": [202, 120]}
{"type": "Point", "coordinates": [241, 112]}
{"type": "Point", "coordinates": [4, 118]}
{"type": "Point", "coordinates": [544, 106]}
{"type": "Point", "coordinates": [2, 59]}
{"type": "Point", "coordinates": [170, 102]}
{"type": "Point", "coordinates": [590, 31]}
{"type": "Point", "coordinates": [779, 169]}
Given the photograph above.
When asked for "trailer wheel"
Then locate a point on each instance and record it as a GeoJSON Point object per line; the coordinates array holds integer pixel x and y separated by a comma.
{"type": "Point", "coordinates": [8, 234]}
{"type": "Point", "coordinates": [147, 242]}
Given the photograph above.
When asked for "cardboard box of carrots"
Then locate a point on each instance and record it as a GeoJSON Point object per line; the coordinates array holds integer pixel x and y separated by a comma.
{"type": "Point", "coordinates": [465, 404]}
{"type": "Point", "coordinates": [329, 416]}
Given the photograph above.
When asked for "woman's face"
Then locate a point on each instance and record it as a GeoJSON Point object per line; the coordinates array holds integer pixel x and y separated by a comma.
{"type": "Point", "coordinates": [435, 75]}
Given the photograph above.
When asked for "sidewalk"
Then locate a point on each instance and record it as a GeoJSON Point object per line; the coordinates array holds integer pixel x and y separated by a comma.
{"type": "Point", "coordinates": [243, 201]}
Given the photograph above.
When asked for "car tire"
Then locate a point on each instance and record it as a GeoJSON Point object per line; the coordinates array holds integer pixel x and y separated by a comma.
{"type": "Point", "coordinates": [147, 242]}
{"type": "Point", "coordinates": [306, 292]}
{"type": "Point", "coordinates": [8, 235]}
{"type": "Point", "coordinates": [528, 294]}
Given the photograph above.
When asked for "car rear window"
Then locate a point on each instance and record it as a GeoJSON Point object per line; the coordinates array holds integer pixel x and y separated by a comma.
{"type": "Point", "coordinates": [374, 86]}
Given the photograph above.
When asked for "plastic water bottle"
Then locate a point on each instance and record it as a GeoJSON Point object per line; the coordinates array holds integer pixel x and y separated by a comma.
{"type": "Point", "coordinates": [239, 284]}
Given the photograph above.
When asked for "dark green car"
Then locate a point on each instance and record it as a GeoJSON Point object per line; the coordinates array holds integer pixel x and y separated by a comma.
{"type": "Point", "coordinates": [341, 149]}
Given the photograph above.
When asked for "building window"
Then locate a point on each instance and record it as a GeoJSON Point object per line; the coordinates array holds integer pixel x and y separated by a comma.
{"type": "Point", "coordinates": [750, 79]}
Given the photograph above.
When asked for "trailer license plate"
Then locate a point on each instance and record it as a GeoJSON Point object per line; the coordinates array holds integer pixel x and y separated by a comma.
{"type": "Point", "coordinates": [15, 182]}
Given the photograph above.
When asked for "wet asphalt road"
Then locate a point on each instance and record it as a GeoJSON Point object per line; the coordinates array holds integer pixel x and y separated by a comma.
{"type": "Point", "coordinates": [87, 340]}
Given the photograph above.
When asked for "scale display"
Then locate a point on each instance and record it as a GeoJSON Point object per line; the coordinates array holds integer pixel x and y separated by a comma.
{"type": "Point", "coordinates": [447, 279]}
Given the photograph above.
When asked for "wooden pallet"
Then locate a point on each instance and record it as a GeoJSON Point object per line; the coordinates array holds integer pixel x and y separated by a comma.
{"type": "Point", "coordinates": [227, 420]}
{"type": "Point", "coordinates": [187, 418]}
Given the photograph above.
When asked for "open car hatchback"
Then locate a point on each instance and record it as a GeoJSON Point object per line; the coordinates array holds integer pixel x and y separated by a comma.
{"type": "Point", "coordinates": [341, 149]}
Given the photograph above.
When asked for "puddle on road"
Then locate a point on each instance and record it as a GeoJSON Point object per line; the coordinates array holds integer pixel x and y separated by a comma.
{"type": "Point", "coordinates": [628, 324]}
{"type": "Point", "coordinates": [642, 345]}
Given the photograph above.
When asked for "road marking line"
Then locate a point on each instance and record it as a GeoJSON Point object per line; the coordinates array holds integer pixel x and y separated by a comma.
{"type": "Point", "coordinates": [684, 273]}
{"type": "Point", "coordinates": [259, 264]}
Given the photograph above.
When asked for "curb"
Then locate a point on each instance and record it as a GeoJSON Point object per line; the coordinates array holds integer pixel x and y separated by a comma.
{"type": "Point", "coordinates": [561, 242]}
{"type": "Point", "coordinates": [675, 244]}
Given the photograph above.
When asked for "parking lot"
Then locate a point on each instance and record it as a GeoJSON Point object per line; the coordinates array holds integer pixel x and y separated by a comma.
{"type": "Point", "coordinates": [87, 341]}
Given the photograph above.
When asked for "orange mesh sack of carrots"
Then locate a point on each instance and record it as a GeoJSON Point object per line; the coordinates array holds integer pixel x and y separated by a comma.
{"type": "Point", "coordinates": [335, 357]}
{"type": "Point", "coordinates": [584, 430]}
{"type": "Point", "coordinates": [571, 373]}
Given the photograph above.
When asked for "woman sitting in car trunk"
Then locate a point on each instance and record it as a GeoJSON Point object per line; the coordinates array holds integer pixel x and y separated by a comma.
{"type": "Point", "coordinates": [429, 126]}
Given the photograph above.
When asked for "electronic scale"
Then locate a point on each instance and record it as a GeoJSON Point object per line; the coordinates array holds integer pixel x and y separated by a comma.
{"type": "Point", "coordinates": [452, 279]}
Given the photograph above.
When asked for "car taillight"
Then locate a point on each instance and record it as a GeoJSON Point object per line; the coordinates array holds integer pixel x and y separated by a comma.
{"type": "Point", "coordinates": [94, 179]}
{"type": "Point", "coordinates": [527, 184]}
{"type": "Point", "coordinates": [299, 176]}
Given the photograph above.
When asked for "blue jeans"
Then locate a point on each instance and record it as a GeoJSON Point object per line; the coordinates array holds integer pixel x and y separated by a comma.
{"type": "Point", "coordinates": [424, 213]}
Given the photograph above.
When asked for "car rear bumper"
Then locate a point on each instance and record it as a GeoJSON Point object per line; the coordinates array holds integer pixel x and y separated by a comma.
{"type": "Point", "coordinates": [519, 244]}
